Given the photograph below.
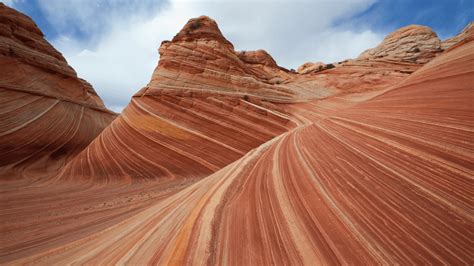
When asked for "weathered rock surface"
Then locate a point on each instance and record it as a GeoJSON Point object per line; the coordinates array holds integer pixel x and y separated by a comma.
{"type": "Point", "coordinates": [47, 114]}
{"type": "Point", "coordinates": [310, 67]}
{"type": "Point", "coordinates": [414, 43]}
{"type": "Point", "coordinates": [367, 163]}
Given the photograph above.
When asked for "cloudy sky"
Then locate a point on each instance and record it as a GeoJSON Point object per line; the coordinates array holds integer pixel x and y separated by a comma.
{"type": "Point", "coordinates": [113, 43]}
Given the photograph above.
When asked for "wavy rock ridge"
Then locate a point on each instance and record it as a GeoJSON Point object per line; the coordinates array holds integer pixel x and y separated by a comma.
{"type": "Point", "coordinates": [204, 108]}
{"type": "Point", "coordinates": [225, 153]}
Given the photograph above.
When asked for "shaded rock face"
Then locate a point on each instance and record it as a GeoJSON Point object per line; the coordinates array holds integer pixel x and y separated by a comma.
{"type": "Point", "coordinates": [23, 46]}
{"type": "Point", "coordinates": [414, 43]}
{"type": "Point", "coordinates": [401, 53]}
{"type": "Point", "coordinates": [262, 65]}
{"type": "Point", "coordinates": [47, 113]}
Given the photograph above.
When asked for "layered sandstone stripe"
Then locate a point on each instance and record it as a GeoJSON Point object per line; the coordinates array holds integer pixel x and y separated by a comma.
{"type": "Point", "coordinates": [169, 136]}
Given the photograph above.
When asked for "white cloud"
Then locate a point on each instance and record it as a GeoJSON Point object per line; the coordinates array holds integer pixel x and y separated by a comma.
{"type": "Point", "coordinates": [120, 53]}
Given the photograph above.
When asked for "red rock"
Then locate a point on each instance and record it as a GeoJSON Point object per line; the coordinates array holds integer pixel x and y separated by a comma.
{"type": "Point", "coordinates": [202, 94]}
{"type": "Point", "coordinates": [310, 67]}
{"type": "Point", "coordinates": [466, 35]}
{"type": "Point", "coordinates": [414, 44]}
{"type": "Point", "coordinates": [400, 54]}
{"type": "Point", "coordinates": [366, 163]}
{"type": "Point", "coordinates": [47, 113]}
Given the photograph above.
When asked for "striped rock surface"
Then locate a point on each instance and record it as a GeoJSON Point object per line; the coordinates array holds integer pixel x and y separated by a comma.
{"type": "Point", "coordinates": [205, 107]}
{"type": "Point", "coordinates": [47, 114]}
{"type": "Point", "coordinates": [380, 179]}
{"type": "Point", "coordinates": [226, 158]}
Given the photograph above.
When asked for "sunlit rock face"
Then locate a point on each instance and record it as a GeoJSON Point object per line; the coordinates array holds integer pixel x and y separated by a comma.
{"type": "Point", "coordinates": [47, 113]}
{"type": "Point", "coordinates": [225, 158]}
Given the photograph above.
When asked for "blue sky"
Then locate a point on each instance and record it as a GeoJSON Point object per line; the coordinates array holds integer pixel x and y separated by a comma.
{"type": "Point", "coordinates": [113, 43]}
{"type": "Point", "coordinates": [445, 17]}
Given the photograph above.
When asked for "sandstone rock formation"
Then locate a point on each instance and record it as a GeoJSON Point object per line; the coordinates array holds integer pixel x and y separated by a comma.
{"type": "Point", "coordinates": [400, 54]}
{"type": "Point", "coordinates": [414, 43]}
{"type": "Point", "coordinates": [465, 36]}
{"type": "Point", "coordinates": [366, 163]}
{"type": "Point", "coordinates": [200, 58]}
{"type": "Point", "coordinates": [202, 110]}
{"type": "Point", "coordinates": [47, 114]}
{"type": "Point", "coordinates": [263, 66]}
{"type": "Point", "coordinates": [310, 67]}
{"type": "Point", "coordinates": [371, 183]}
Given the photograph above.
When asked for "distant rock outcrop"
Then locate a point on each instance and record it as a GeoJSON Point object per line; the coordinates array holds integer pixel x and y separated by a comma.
{"type": "Point", "coordinates": [414, 43]}
{"type": "Point", "coordinates": [310, 67]}
{"type": "Point", "coordinates": [47, 113]}
{"type": "Point", "coordinates": [400, 54]}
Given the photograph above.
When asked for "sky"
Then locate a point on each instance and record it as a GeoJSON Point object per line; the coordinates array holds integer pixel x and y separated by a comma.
{"type": "Point", "coordinates": [114, 44]}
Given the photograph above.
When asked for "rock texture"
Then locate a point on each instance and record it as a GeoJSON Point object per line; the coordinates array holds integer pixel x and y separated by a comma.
{"type": "Point", "coordinates": [466, 35]}
{"type": "Point", "coordinates": [400, 54]}
{"type": "Point", "coordinates": [200, 58]}
{"type": "Point", "coordinates": [202, 110]}
{"type": "Point", "coordinates": [414, 43]}
{"type": "Point", "coordinates": [385, 188]}
{"type": "Point", "coordinates": [311, 67]}
{"type": "Point", "coordinates": [176, 136]}
{"type": "Point", "coordinates": [366, 163]}
{"type": "Point", "coordinates": [47, 114]}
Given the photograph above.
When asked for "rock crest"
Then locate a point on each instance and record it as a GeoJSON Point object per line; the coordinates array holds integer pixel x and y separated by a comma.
{"type": "Point", "coordinates": [414, 43]}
